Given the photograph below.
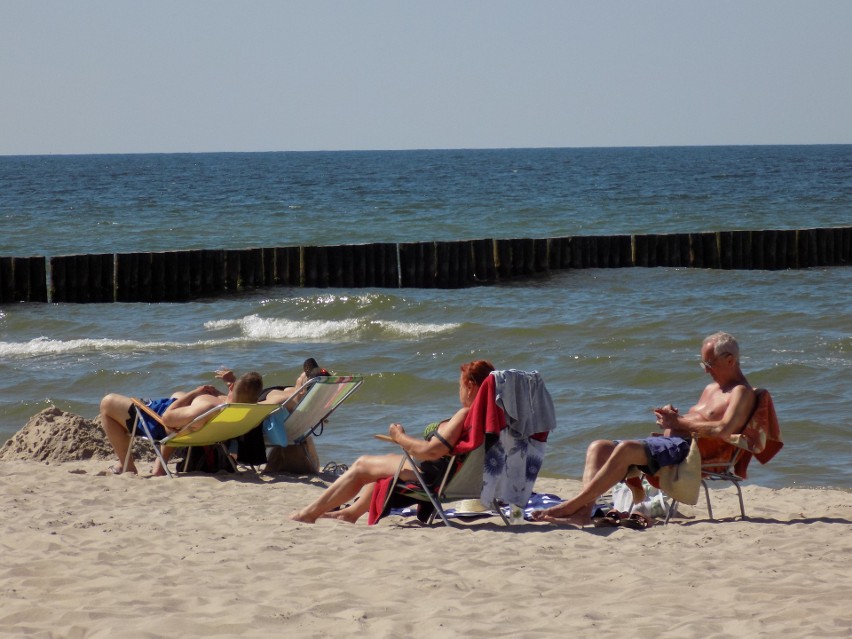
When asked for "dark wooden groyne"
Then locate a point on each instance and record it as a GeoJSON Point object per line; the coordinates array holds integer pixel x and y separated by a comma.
{"type": "Point", "coordinates": [176, 276]}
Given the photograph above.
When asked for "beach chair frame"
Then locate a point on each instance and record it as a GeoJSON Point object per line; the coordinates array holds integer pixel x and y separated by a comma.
{"type": "Point", "coordinates": [724, 470]}
{"type": "Point", "coordinates": [320, 397]}
{"type": "Point", "coordinates": [466, 483]}
{"type": "Point", "coordinates": [212, 427]}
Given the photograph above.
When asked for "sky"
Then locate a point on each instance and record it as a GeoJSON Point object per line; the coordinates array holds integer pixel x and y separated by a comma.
{"type": "Point", "coordinates": [124, 76]}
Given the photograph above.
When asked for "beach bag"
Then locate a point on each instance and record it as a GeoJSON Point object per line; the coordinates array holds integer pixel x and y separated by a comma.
{"type": "Point", "coordinates": [297, 459]}
{"type": "Point", "coordinates": [205, 459]}
{"type": "Point", "coordinates": [682, 482]}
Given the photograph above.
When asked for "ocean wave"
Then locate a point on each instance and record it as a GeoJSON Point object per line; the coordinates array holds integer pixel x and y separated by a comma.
{"type": "Point", "coordinates": [349, 329]}
{"type": "Point", "coordinates": [41, 346]}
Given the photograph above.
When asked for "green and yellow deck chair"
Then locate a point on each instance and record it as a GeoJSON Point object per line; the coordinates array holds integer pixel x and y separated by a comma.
{"type": "Point", "coordinates": [213, 427]}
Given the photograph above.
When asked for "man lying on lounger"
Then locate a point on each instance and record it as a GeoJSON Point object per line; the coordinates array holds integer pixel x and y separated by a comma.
{"type": "Point", "coordinates": [118, 414]}
{"type": "Point", "coordinates": [723, 409]}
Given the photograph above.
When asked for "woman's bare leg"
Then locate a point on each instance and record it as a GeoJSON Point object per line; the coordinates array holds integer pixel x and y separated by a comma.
{"type": "Point", "coordinates": [361, 505]}
{"type": "Point", "coordinates": [365, 470]}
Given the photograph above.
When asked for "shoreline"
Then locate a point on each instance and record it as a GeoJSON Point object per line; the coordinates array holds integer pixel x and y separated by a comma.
{"type": "Point", "coordinates": [85, 554]}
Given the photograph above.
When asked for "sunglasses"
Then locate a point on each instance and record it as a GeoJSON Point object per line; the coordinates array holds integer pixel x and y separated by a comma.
{"type": "Point", "coordinates": [705, 364]}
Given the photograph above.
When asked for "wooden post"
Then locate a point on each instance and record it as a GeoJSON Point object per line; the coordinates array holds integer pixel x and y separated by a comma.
{"type": "Point", "coordinates": [606, 251]}
{"type": "Point", "coordinates": [661, 251]}
{"type": "Point", "coordinates": [412, 277]}
{"type": "Point", "coordinates": [195, 268]}
{"type": "Point", "coordinates": [789, 242]}
{"type": "Point", "coordinates": [7, 281]}
{"type": "Point", "coordinates": [183, 276]}
{"type": "Point", "coordinates": [737, 259]}
{"type": "Point", "coordinates": [503, 259]}
{"type": "Point", "coordinates": [696, 251]}
{"type": "Point", "coordinates": [769, 250]}
{"type": "Point", "coordinates": [813, 247]}
{"type": "Point", "coordinates": [640, 250]}
{"type": "Point", "coordinates": [725, 240]}
{"type": "Point", "coordinates": [541, 262]}
{"type": "Point", "coordinates": [442, 257]}
{"type": "Point", "coordinates": [145, 277]}
{"type": "Point", "coordinates": [825, 247]}
{"type": "Point", "coordinates": [213, 267]}
{"type": "Point", "coordinates": [364, 269]}
{"type": "Point", "coordinates": [624, 250]}
{"type": "Point", "coordinates": [781, 250]}
{"type": "Point", "coordinates": [758, 241]}
{"type": "Point", "coordinates": [232, 271]}
{"type": "Point", "coordinates": [287, 265]}
{"type": "Point", "coordinates": [390, 275]}
{"type": "Point", "coordinates": [315, 266]}
{"type": "Point", "coordinates": [268, 262]}
{"type": "Point", "coordinates": [484, 271]}
{"type": "Point", "coordinates": [519, 258]}
{"type": "Point", "coordinates": [104, 268]}
{"type": "Point", "coordinates": [578, 252]}
{"type": "Point", "coordinates": [57, 278]}
{"type": "Point", "coordinates": [37, 281]}
{"type": "Point", "coordinates": [566, 252]}
{"type": "Point", "coordinates": [158, 277]}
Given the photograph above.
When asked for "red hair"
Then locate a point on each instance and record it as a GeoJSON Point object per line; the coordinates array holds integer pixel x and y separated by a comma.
{"type": "Point", "coordinates": [477, 371]}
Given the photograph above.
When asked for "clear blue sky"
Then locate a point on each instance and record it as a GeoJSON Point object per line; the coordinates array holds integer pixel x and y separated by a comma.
{"type": "Point", "coordinates": [115, 76]}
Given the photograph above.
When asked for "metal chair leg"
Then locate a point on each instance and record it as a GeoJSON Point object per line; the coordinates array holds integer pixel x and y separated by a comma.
{"type": "Point", "coordinates": [707, 497]}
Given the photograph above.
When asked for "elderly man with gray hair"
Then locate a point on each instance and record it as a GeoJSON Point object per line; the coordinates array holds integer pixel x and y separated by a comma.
{"type": "Point", "coordinates": [723, 409]}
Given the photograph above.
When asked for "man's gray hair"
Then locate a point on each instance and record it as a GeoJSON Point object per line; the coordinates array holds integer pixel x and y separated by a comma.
{"type": "Point", "coordinates": [724, 343]}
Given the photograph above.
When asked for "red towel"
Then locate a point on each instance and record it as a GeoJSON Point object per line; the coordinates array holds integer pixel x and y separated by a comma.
{"type": "Point", "coordinates": [760, 438]}
{"type": "Point", "coordinates": [377, 501]}
{"type": "Point", "coordinates": [483, 417]}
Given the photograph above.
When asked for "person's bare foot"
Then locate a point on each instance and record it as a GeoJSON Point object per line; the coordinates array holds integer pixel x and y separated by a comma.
{"type": "Point", "coordinates": [560, 514]}
{"type": "Point", "coordinates": [301, 516]}
{"type": "Point", "coordinates": [341, 515]}
{"type": "Point", "coordinates": [574, 519]}
{"type": "Point", "coordinates": [157, 470]}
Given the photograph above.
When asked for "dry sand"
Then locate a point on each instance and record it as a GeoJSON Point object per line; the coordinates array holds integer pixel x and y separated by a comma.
{"type": "Point", "coordinates": [91, 555]}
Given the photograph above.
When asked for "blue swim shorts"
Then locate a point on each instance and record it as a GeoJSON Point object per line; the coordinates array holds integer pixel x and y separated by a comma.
{"type": "Point", "coordinates": [664, 451]}
{"type": "Point", "coordinates": [159, 406]}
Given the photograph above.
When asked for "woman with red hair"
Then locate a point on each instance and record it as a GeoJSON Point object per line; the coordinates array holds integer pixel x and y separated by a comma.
{"type": "Point", "coordinates": [430, 454]}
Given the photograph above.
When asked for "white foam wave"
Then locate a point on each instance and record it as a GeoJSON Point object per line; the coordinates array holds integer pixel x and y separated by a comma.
{"type": "Point", "coordinates": [409, 329]}
{"type": "Point", "coordinates": [45, 346]}
{"type": "Point", "coordinates": [260, 328]}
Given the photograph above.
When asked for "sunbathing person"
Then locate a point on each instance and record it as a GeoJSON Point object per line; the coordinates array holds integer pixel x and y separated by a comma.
{"type": "Point", "coordinates": [118, 414]}
{"type": "Point", "coordinates": [430, 453]}
{"type": "Point", "coordinates": [290, 394]}
{"type": "Point", "coordinates": [723, 409]}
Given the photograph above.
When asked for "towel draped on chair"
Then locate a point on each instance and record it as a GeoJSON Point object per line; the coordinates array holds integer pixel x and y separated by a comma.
{"type": "Point", "coordinates": [514, 458]}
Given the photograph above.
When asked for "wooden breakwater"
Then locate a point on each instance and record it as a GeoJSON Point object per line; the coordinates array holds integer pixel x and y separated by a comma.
{"type": "Point", "coordinates": [175, 276]}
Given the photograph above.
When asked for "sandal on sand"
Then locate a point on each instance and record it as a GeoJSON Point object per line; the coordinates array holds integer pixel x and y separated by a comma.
{"type": "Point", "coordinates": [335, 469]}
{"type": "Point", "coordinates": [637, 521]}
{"type": "Point", "coordinates": [610, 520]}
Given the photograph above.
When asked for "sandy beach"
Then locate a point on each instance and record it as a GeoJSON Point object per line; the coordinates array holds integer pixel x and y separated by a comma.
{"type": "Point", "coordinates": [93, 555]}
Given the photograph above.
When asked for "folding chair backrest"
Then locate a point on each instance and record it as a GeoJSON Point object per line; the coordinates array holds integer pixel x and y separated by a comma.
{"type": "Point", "coordinates": [232, 420]}
{"type": "Point", "coordinates": [467, 482]}
{"type": "Point", "coordinates": [322, 396]}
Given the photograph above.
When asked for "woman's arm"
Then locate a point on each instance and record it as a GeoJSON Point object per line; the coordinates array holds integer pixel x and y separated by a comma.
{"type": "Point", "coordinates": [434, 448]}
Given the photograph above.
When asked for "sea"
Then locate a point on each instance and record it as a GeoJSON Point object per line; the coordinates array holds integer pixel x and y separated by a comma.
{"type": "Point", "coordinates": [610, 343]}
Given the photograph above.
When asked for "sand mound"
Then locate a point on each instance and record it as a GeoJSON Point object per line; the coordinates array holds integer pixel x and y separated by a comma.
{"type": "Point", "coordinates": [55, 436]}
